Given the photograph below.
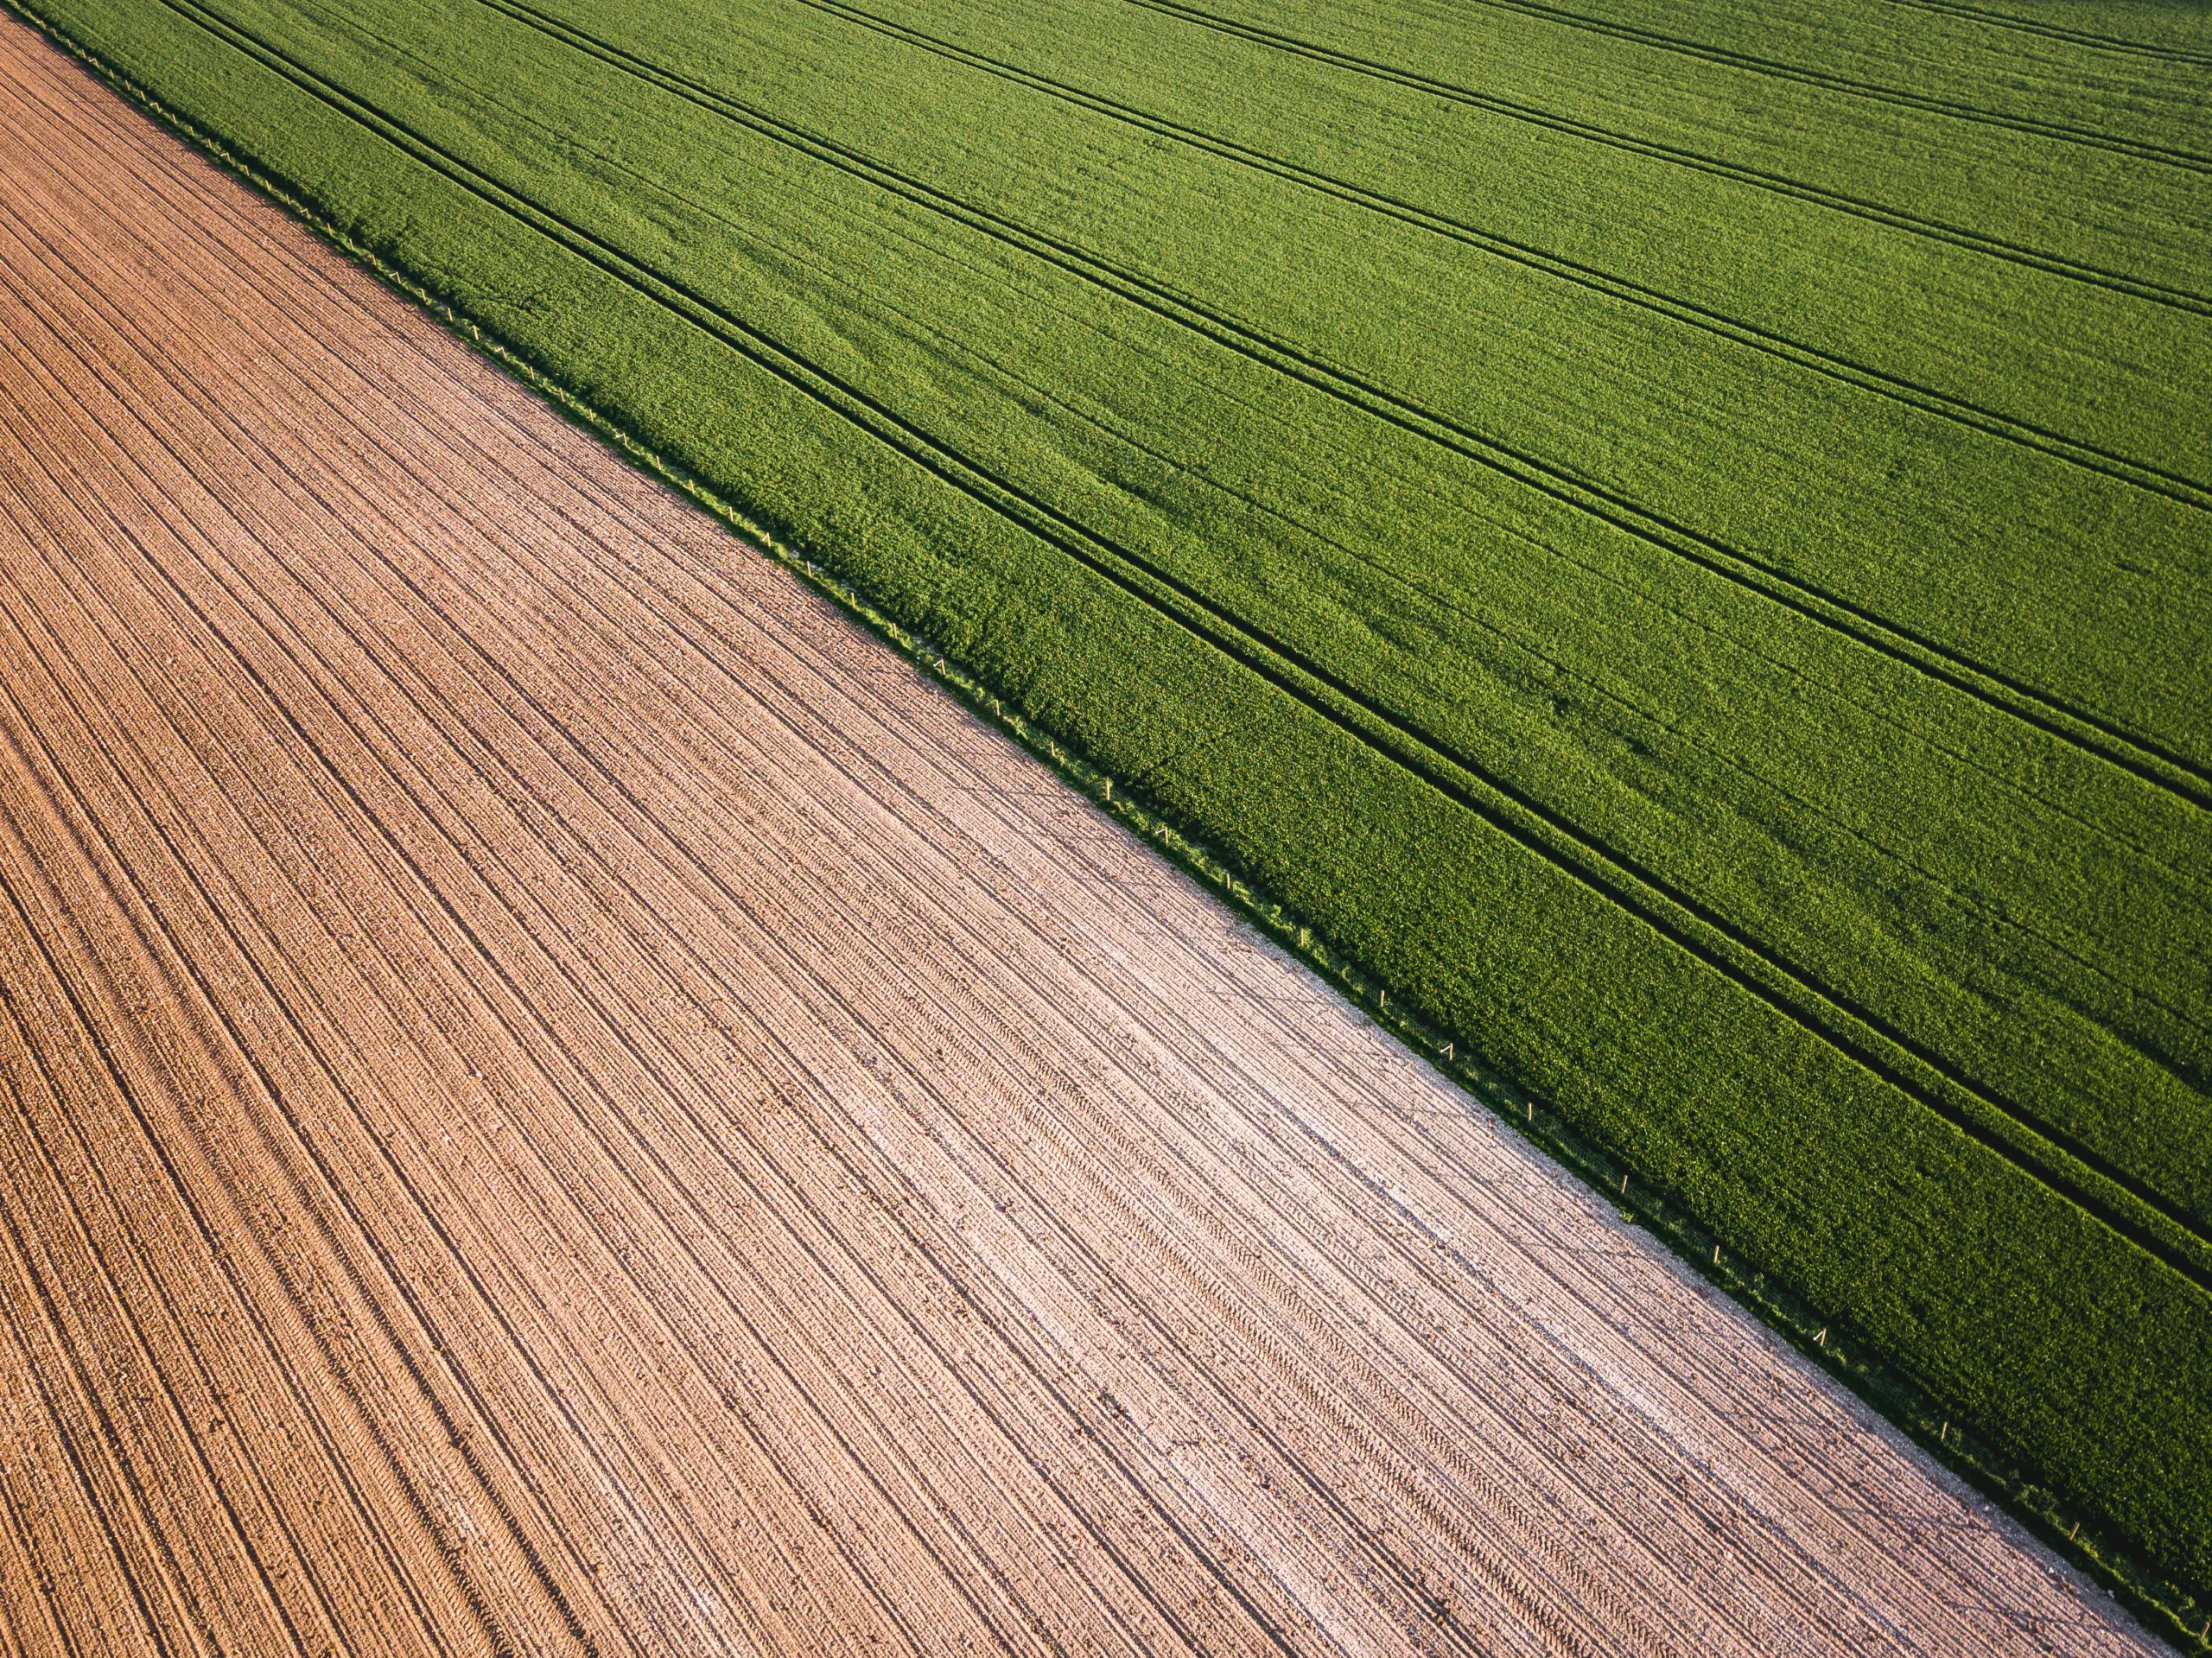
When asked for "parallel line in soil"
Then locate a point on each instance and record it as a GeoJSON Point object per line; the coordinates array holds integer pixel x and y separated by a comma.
{"type": "Point", "coordinates": [423, 880]}
{"type": "Point", "coordinates": [492, 961]}
{"type": "Point", "coordinates": [2135, 1211]}
{"type": "Point", "coordinates": [1240, 1299]}
{"type": "Point", "coordinates": [259, 1079]}
{"type": "Point", "coordinates": [149, 1348]}
{"type": "Point", "coordinates": [336, 1460]}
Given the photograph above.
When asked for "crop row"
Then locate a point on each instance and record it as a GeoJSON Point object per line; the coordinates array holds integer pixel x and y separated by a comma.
{"type": "Point", "coordinates": [2029, 348]}
{"type": "Point", "coordinates": [1696, 865]}
{"type": "Point", "coordinates": [1743, 816]}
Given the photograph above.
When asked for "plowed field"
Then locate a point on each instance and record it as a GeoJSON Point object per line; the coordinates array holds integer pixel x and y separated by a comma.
{"type": "Point", "coordinates": [1677, 536]}
{"type": "Point", "coordinates": [555, 1095]}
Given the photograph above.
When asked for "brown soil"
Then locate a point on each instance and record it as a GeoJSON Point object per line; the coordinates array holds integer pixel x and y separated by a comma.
{"type": "Point", "coordinates": [554, 1094]}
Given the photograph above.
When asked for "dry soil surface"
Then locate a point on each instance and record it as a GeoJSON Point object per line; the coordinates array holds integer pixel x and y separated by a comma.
{"type": "Point", "coordinates": [555, 1095]}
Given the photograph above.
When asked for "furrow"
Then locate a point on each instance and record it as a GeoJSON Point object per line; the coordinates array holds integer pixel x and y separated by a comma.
{"type": "Point", "coordinates": [167, 1449]}
{"type": "Point", "coordinates": [680, 1185]}
{"type": "Point", "coordinates": [90, 1473]}
{"type": "Point", "coordinates": [615, 1048]}
{"type": "Point", "coordinates": [585, 1440]}
{"type": "Point", "coordinates": [484, 1246]}
{"type": "Point", "coordinates": [38, 1513]}
{"type": "Point", "coordinates": [498, 582]}
{"type": "Point", "coordinates": [427, 1630]}
{"type": "Point", "coordinates": [166, 1358]}
{"type": "Point", "coordinates": [273, 1501]}
{"type": "Point", "coordinates": [254, 1078]}
{"type": "Point", "coordinates": [303, 1302]}
{"type": "Point", "coordinates": [979, 964]}
{"type": "Point", "coordinates": [2148, 1220]}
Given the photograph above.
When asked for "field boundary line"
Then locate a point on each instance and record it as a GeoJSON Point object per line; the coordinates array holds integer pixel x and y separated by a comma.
{"type": "Point", "coordinates": [2085, 138]}
{"type": "Point", "coordinates": [1780, 184]}
{"type": "Point", "coordinates": [1865, 626]}
{"type": "Point", "coordinates": [2175, 486]}
{"type": "Point", "coordinates": [467, 931]}
{"type": "Point", "coordinates": [2110, 1562]}
{"type": "Point", "coordinates": [2153, 1223]}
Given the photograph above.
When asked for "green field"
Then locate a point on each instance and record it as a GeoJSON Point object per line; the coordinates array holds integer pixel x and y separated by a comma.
{"type": "Point", "coordinates": [1678, 537]}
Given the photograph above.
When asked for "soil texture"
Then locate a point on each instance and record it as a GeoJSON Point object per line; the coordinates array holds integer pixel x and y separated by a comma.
{"type": "Point", "coordinates": [555, 1095]}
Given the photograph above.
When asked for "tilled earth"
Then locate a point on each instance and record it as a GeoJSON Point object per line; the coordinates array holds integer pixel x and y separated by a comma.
{"type": "Point", "coordinates": [555, 1095]}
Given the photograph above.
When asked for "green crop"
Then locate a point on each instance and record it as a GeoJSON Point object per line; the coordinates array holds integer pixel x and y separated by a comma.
{"type": "Point", "coordinates": [1679, 539]}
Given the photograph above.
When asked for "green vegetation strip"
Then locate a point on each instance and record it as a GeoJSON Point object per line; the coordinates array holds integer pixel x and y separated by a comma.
{"type": "Point", "coordinates": [1599, 512]}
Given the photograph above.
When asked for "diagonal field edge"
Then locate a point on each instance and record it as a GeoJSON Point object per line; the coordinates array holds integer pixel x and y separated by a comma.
{"type": "Point", "coordinates": [1339, 702]}
{"type": "Point", "coordinates": [466, 929]}
{"type": "Point", "coordinates": [1995, 247]}
{"type": "Point", "coordinates": [1993, 687]}
{"type": "Point", "coordinates": [2137, 1584]}
{"type": "Point", "coordinates": [2174, 1239]}
{"type": "Point", "coordinates": [704, 870]}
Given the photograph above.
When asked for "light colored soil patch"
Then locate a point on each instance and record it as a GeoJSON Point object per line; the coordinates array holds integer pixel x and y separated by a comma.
{"type": "Point", "coordinates": [553, 1094]}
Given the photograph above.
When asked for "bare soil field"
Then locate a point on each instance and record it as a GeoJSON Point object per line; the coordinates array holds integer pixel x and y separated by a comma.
{"type": "Point", "coordinates": [556, 1096]}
